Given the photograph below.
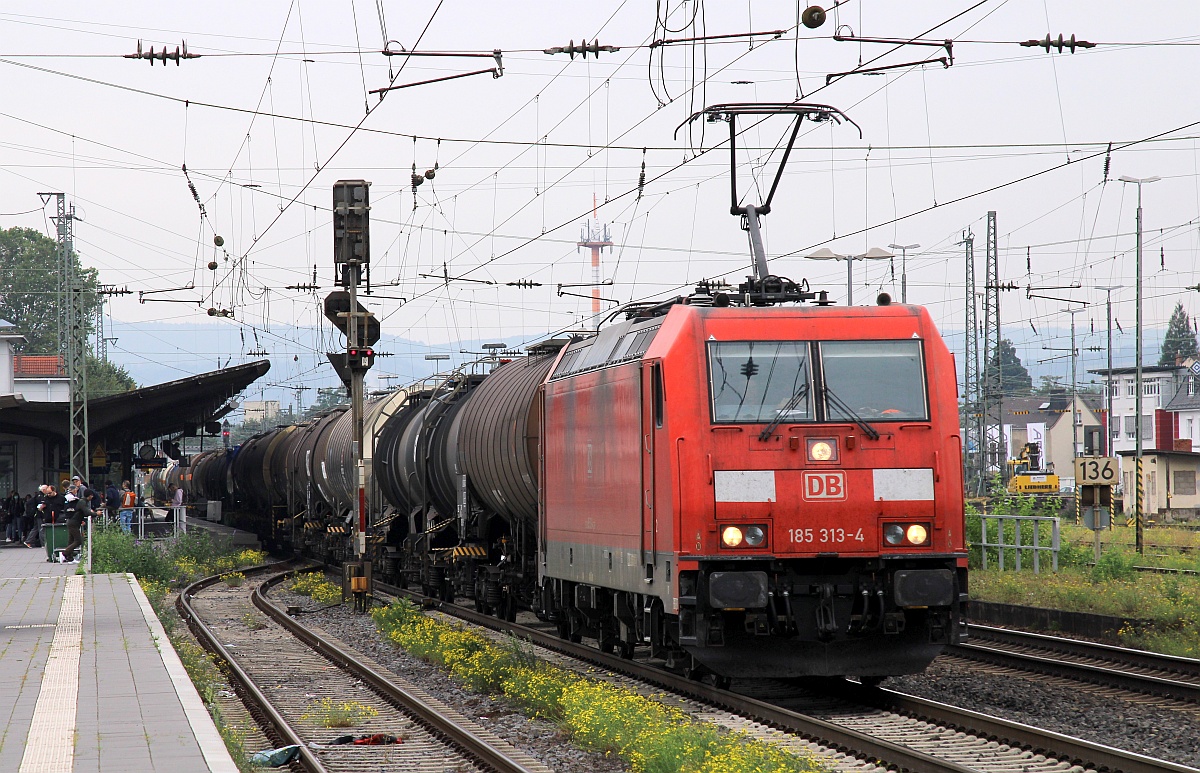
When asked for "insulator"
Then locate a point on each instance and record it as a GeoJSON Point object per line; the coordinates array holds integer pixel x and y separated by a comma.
{"type": "Point", "coordinates": [417, 179]}
{"type": "Point", "coordinates": [813, 17]}
{"type": "Point", "coordinates": [429, 173]}
{"type": "Point", "coordinates": [212, 312]}
{"type": "Point", "coordinates": [219, 240]}
{"type": "Point", "coordinates": [212, 265]}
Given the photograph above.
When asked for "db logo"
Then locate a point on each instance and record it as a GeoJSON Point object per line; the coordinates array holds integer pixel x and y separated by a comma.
{"type": "Point", "coordinates": [825, 485]}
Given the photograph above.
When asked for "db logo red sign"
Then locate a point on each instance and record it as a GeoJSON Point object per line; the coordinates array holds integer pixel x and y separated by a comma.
{"type": "Point", "coordinates": [825, 485]}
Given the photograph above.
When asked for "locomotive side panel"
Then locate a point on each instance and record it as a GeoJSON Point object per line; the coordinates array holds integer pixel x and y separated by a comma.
{"type": "Point", "coordinates": [592, 505]}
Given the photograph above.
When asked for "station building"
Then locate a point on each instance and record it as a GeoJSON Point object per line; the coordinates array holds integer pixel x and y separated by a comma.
{"type": "Point", "coordinates": [34, 416]}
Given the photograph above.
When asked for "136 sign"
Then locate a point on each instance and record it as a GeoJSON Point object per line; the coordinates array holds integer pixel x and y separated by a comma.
{"type": "Point", "coordinates": [1097, 471]}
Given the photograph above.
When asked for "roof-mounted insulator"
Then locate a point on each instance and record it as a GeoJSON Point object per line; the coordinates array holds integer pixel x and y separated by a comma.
{"type": "Point", "coordinates": [163, 56]}
{"type": "Point", "coordinates": [1047, 43]}
{"type": "Point", "coordinates": [583, 49]}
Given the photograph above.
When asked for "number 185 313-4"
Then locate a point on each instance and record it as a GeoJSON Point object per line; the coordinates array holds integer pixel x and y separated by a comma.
{"type": "Point", "coordinates": [833, 535]}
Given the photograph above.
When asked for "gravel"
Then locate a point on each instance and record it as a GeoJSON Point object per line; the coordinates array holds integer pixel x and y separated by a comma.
{"type": "Point", "coordinates": [1158, 728]}
{"type": "Point", "coordinates": [540, 739]}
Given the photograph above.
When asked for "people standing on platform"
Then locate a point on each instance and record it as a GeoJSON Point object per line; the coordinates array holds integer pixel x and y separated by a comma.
{"type": "Point", "coordinates": [128, 502]}
{"type": "Point", "coordinates": [29, 522]}
{"type": "Point", "coordinates": [112, 500]}
{"type": "Point", "coordinates": [77, 509]}
{"type": "Point", "coordinates": [13, 507]}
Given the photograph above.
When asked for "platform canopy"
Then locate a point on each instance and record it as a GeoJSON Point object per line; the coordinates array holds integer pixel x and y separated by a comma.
{"type": "Point", "coordinates": [142, 414]}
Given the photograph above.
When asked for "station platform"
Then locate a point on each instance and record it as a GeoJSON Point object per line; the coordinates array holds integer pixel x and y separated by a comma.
{"type": "Point", "coordinates": [89, 681]}
{"type": "Point", "coordinates": [236, 537]}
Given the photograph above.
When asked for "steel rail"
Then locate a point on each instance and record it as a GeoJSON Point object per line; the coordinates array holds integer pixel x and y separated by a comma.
{"type": "Point", "coordinates": [276, 727]}
{"type": "Point", "coordinates": [828, 734]}
{"type": "Point", "coordinates": [1083, 672]}
{"type": "Point", "coordinates": [1051, 744]}
{"type": "Point", "coordinates": [1056, 745]}
{"type": "Point", "coordinates": [1122, 655]}
{"type": "Point", "coordinates": [476, 747]}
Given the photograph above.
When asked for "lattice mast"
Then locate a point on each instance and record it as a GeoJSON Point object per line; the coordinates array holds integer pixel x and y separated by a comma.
{"type": "Point", "coordinates": [991, 394]}
{"type": "Point", "coordinates": [73, 343]}
{"type": "Point", "coordinates": [973, 421]}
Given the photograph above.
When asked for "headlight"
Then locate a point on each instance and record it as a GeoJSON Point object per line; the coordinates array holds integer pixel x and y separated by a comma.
{"type": "Point", "coordinates": [822, 449]}
{"type": "Point", "coordinates": [897, 534]}
{"type": "Point", "coordinates": [755, 536]}
{"type": "Point", "coordinates": [731, 536]}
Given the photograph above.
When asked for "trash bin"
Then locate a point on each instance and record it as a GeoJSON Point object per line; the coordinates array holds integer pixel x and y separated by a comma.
{"type": "Point", "coordinates": [54, 536]}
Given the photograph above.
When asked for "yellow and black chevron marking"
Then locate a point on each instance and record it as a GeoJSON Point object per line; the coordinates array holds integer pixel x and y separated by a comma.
{"type": "Point", "coordinates": [438, 526]}
{"type": "Point", "coordinates": [337, 530]}
{"type": "Point", "coordinates": [469, 551]}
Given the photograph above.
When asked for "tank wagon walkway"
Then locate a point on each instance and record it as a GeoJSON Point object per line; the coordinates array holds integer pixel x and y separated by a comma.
{"type": "Point", "coordinates": [84, 685]}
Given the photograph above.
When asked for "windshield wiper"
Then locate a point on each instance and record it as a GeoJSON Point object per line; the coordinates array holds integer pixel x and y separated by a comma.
{"type": "Point", "coordinates": [838, 403]}
{"type": "Point", "coordinates": [790, 405]}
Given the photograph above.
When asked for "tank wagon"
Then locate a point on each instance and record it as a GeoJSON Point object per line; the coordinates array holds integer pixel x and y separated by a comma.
{"type": "Point", "coordinates": [746, 491]}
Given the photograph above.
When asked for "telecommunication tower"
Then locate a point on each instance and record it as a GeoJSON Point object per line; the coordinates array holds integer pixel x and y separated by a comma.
{"type": "Point", "coordinates": [595, 236]}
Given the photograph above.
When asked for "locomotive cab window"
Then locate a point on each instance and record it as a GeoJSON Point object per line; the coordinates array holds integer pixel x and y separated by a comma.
{"type": "Point", "coordinates": [756, 382]}
{"type": "Point", "coordinates": [877, 380]}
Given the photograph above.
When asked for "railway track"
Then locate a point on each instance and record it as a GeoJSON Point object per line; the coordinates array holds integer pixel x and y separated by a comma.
{"type": "Point", "coordinates": [898, 731]}
{"type": "Point", "coordinates": [1135, 670]}
{"type": "Point", "coordinates": [282, 671]}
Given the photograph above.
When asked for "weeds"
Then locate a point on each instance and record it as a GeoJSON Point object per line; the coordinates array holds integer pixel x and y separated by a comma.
{"type": "Point", "coordinates": [233, 579]}
{"type": "Point", "coordinates": [650, 736]}
{"type": "Point", "coordinates": [314, 585]}
{"type": "Point", "coordinates": [328, 713]}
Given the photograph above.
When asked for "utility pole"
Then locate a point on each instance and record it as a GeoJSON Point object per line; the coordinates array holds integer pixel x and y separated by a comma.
{"type": "Point", "coordinates": [1140, 487]}
{"type": "Point", "coordinates": [72, 335]}
{"type": "Point", "coordinates": [1110, 431]}
{"type": "Point", "coordinates": [971, 407]}
{"type": "Point", "coordinates": [1074, 389]}
{"type": "Point", "coordinates": [904, 248]}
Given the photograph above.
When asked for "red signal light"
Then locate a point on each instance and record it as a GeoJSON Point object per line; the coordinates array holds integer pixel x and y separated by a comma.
{"type": "Point", "coordinates": [353, 352]}
{"type": "Point", "coordinates": [368, 353]}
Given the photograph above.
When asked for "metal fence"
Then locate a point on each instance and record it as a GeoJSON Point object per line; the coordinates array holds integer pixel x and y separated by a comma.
{"type": "Point", "coordinates": [1017, 545]}
{"type": "Point", "coordinates": [148, 522]}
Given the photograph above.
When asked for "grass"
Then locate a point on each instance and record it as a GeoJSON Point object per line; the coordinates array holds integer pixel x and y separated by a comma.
{"type": "Point", "coordinates": [650, 736]}
{"type": "Point", "coordinates": [1166, 606]}
{"type": "Point", "coordinates": [330, 713]}
{"type": "Point", "coordinates": [233, 579]}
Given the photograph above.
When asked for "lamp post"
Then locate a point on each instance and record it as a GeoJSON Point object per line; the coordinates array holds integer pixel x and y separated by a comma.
{"type": "Point", "coordinates": [875, 253]}
{"type": "Point", "coordinates": [1137, 397]}
{"type": "Point", "coordinates": [904, 248]}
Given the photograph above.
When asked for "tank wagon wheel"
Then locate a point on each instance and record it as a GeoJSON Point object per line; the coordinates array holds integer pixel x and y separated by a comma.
{"type": "Point", "coordinates": [508, 612]}
{"type": "Point", "coordinates": [624, 650]}
{"type": "Point", "coordinates": [564, 632]}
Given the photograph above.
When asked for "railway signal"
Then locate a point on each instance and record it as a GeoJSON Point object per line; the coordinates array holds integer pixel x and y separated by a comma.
{"type": "Point", "coordinates": [351, 253]}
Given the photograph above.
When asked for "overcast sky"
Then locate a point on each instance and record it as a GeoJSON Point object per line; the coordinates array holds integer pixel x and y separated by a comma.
{"type": "Point", "coordinates": [274, 111]}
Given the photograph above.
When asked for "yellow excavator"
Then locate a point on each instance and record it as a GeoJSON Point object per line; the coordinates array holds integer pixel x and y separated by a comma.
{"type": "Point", "coordinates": [1026, 476]}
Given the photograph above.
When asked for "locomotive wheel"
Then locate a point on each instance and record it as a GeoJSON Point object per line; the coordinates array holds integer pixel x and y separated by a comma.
{"type": "Point", "coordinates": [446, 593]}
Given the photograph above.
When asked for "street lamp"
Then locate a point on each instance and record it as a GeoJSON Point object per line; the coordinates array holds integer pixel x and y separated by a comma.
{"type": "Point", "coordinates": [904, 248]}
{"type": "Point", "coordinates": [875, 253]}
{"type": "Point", "coordinates": [1108, 441]}
{"type": "Point", "coordinates": [1137, 398]}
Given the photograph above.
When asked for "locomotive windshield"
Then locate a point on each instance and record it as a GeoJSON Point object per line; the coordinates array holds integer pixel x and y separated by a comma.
{"type": "Point", "coordinates": [877, 380]}
{"type": "Point", "coordinates": [753, 381]}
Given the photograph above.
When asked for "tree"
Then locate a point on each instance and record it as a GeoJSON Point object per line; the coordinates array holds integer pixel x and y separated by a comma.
{"type": "Point", "coordinates": [1180, 340]}
{"type": "Point", "coordinates": [29, 287]}
{"type": "Point", "coordinates": [104, 378]}
{"type": "Point", "coordinates": [1015, 380]}
{"type": "Point", "coordinates": [327, 398]}
{"type": "Point", "coordinates": [1051, 385]}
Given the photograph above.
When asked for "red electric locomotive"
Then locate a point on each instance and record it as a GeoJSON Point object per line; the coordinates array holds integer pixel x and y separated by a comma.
{"type": "Point", "coordinates": [757, 491]}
